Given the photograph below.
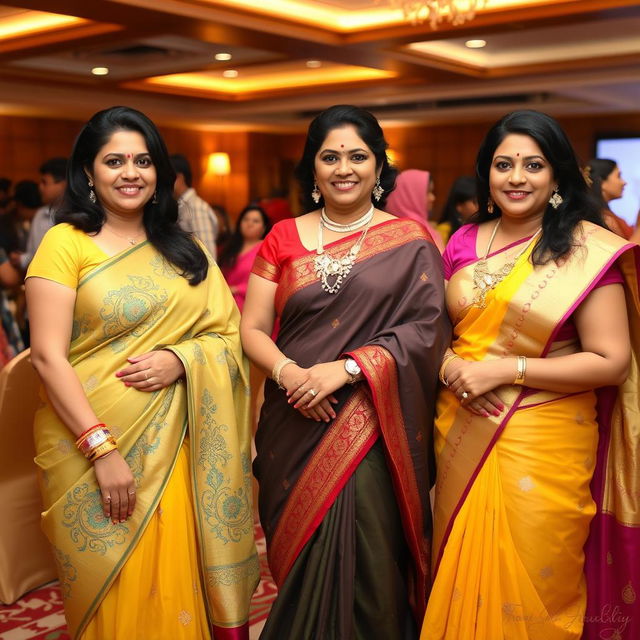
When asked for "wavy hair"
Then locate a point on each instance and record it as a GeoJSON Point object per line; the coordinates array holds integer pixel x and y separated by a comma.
{"type": "Point", "coordinates": [160, 219]}
{"type": "Point", "coordinates": [558, 225]}
{"type": "Point", "coordinates": [368, 129]}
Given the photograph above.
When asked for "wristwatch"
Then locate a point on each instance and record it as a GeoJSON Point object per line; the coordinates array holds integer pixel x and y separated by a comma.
{"type": "Point", "coordinates": [352, 369]}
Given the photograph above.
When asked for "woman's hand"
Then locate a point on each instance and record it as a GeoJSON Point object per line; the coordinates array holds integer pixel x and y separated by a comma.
{"type": "Point", "coordinates": [152, 371]}
{"type": "Point", "coordinates": [117, 486]}
{"type": "Point", "coordinates": [479, 380]}
{"type": "Point", "coordinates": [323, 378]}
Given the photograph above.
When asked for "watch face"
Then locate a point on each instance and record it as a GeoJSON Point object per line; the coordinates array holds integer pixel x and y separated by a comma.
{"type": "Point", "coordinates": [352, 367]}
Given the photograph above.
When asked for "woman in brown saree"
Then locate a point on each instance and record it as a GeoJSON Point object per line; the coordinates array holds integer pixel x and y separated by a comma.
{"type": "Point", "coordinates": [344, 439]}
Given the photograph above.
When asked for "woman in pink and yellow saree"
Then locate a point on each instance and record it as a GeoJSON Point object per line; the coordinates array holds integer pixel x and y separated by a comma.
{"type": "Point", "coordinates": [536, 431]}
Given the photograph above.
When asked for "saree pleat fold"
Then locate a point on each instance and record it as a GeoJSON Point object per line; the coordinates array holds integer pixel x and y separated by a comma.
{"type": "Point", "coordinates": [133, 303]}
{"type": "Point", "coordinates": [329, 491]}
{"type": "Point", "coordinates": [513, 502]}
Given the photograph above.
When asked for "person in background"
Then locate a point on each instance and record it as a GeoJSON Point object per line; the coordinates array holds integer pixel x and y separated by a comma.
{"type": "Point", "coordinates": [224, 226]}
{"type": "Point", "coordinates": [276, 206]}
{"type": "Point", "coordinates": [53, 180]}
{"type": "Point", "coordinates": [460, 206]}
{"type": "Point", "coordinates": [10, 339]}
{"type": "Point", "coordinates": [5, 195]}
{"type": "Point", "coordinates": [14, 226]}
{"type": "Point", "coordinates": [607, 184]}
{"type": "Point", "coordinates": [536, 435]}
{"type": "Point", "coordinates": [237, 259]}
{"type": "Point", "coordinates": [195, 215]}
{"type": "Point", "coordinates": [413, 198]}
{"type": "Point", "coordinates": [144, 439]}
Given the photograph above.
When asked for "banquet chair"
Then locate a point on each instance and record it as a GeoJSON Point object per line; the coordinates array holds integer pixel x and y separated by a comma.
{"type": "Point", "coordinates": [26, 560]}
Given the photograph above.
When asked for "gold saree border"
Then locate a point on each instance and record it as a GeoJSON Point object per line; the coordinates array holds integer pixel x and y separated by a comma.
{"type": "Point", "coordinates": [346, 442]}
{"type": "Point", "coordinates": [380, 370]}
{"type": "Point", "coordinates": [533, 316]}
{"type": "Point", "coordinates": [264, 269]}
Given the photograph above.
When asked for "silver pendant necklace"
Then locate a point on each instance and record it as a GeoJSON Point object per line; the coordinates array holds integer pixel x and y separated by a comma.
{"type": "Point", "coordinates": [331, 270]}
{"type": "Point", "coordinates": [337, 227]}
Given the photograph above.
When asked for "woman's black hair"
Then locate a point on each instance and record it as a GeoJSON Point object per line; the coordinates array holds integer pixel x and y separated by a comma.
{"type": "Point", "coordinates": [234, 245]}
{"type": "Point", "coordinates": [462, 190]}
{"type": "Point", "coordinates": [160, 219]}
{"type": "Point", "coordinates": [558, 225]}
{"type": "Point", "coordinates": [368, 129]}
{"type": "Point", "coordinates": [597, 171]}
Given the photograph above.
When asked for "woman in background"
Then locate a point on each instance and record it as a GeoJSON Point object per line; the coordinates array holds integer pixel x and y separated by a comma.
{"type": "Point", "coordinates": [413, 198]}
{"type": "Point", "coordinates": [135, 338]}
{"type": "Point", "coordinates": [540, 398]}
{"type": "Point", "coordinates": [607, 184]}
{"type": "Point", "coordinates": [461, 205]}
{"type": "Point", "coordinates": [241, 250]}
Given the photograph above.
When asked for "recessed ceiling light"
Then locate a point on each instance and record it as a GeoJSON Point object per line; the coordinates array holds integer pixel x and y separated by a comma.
{"type": "Point", "coordinates": [223, 56]}
{"type": "Point", "coordinates": [100, 71]}
{"type": "Point", "coordinates": [475, 44]}
{"type": "Point", "coordinates": [313, 64]}
{"type": "Point", "coordinates": [230, 73]}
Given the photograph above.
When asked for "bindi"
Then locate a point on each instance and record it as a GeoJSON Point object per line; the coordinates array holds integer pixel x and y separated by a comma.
{"type": "Point", "coordinates": [129, 156]}
{"type": "Point", "coordinates": [517, 155]}
{"type": "Point", "coordinates": [342, 146]}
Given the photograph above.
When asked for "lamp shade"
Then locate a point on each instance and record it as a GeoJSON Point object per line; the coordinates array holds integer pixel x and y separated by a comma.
{"type": "Point", "coordinates": [219, 164]}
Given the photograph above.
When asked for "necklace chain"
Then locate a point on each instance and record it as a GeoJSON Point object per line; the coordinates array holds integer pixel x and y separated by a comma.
{"type": "Point", "coordinates": [132, 240]}
{"type": "Point", "coordinates": [337, 227]}
{"type": "Point", "coordinates": [330, 267]}
{"type": "Point", "coordinates": [485, 280]}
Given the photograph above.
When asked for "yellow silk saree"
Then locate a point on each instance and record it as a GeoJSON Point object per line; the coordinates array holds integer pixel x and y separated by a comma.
{"type": "Point", "coordinates": [513, 501]}
{"type": "Point", "coordinates": [133, 303]}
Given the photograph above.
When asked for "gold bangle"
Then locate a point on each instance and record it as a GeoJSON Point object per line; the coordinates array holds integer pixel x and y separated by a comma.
{"type": "Point", "coordinates": [102, 449]}
{"type": "Point", "coordinates": [446, 360]}
{"type": "Point", "coordinates": [521, 370]}
{"type": "Point", "coordinates": [277, 370]}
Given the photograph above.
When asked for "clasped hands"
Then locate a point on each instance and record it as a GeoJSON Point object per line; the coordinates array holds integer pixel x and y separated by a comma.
{"type": "Point", "coordinates": [310, 391]}
{"type": "Point", "coordinates": [152, 371]}
{"type": "Point", "coordinates": [479, 380]}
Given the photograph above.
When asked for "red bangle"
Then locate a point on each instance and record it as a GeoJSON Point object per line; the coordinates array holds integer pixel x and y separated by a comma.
{"type": "Point", "coordinates": [95, 426]}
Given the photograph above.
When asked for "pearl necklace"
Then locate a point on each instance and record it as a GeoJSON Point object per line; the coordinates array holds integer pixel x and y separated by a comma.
{"type": "Point", "coordinates": [327, 266]}
{"type": "Point", "coordinates": [485, 280]}
{"type": "Point", "coordinates": [337, 227]}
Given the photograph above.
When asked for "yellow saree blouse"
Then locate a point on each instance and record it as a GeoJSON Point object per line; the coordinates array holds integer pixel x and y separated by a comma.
{"type": "Point", "coordinates": [129, 304]}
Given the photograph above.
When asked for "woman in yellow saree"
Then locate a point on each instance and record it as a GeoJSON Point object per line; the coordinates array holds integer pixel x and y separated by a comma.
{"type": "Point", "coordinates": [135, 338]}
{"type": "Point", "coordinates": [541, 393]}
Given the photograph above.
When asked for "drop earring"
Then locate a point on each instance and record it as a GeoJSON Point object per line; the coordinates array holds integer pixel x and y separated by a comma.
{"type": "Point", "coordinates": [315, 193]}
{"type": "Point", "coordinates": [154, 200]}
{"type": "Point", "coordinates": [92, 195]}
{"type": "Point", "coordinates": [377, 190]}
{"type": "Point", "coordinates": [490, 205]}
{"type": "Point", "coordinates": [556, 199]}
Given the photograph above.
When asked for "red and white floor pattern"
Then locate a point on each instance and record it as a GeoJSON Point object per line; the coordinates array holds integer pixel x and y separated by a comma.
{"type": "Point", "coordinates": [38, 615]}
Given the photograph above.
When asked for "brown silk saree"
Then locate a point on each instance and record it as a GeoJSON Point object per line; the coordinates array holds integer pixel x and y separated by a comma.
{"type": "Point", "coordinates": [345, 505]}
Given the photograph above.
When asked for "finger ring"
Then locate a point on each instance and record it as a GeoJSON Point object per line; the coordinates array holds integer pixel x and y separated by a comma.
{"type": "Point", "coordinates": [313, 392]}
{"type": "Point", "coordinates": [132, 492]}
{"type": "Point", "coordinates": [107, 499]}
{"type": "Point", "coordinates": [464, 395]}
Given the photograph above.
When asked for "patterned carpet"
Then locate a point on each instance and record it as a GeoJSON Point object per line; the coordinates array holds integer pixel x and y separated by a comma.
{"type": "Point", "coordinates": [38, 615]}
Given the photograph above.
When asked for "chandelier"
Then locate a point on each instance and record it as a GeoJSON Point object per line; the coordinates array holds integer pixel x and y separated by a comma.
{"type": "Point", "coordinates": [436, 11]}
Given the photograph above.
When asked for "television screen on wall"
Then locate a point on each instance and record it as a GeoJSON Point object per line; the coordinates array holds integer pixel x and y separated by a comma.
{"type": "Point", "coordinates": [625, 151]}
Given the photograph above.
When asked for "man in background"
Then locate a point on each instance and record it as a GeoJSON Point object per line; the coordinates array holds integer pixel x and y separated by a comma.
{"type": "Point", "coordinates": [195, 215]}
{"type": "Point", "coordinates": [53, 180]}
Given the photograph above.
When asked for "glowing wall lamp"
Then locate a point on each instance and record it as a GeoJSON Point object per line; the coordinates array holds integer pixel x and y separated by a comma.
{"type": "Point", "coordinates": [219, 164]}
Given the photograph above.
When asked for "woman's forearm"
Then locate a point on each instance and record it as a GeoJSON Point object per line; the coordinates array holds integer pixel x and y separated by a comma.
{"type": "Point", "coordinates": [260, 349]}
{"type": "Point", "coordinates": [65, 392]}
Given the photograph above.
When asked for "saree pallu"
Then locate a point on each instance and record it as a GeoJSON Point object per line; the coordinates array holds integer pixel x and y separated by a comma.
{"type": "Point", "coordinates": [130, 304]}
{"type": "Point", "coordinates": [513, 504]}
{"type": "Point", "coordinates": [328, 489]}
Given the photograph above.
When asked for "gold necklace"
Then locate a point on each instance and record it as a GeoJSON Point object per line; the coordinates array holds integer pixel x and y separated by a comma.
{"type": "Point", "coordinates": [485, 280]}
{"type": "Point", "coordinates": [327, 266]}
{"type": "Point", "coordinates": [132, 240]}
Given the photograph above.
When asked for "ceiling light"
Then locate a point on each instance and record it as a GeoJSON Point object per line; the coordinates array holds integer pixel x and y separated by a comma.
{"type": "Point", "coordinates": [222, 56]}
{"type": "Point", "coordinates": [313, 64]}
{"type": "Point", "coordinates": [100, 71]}
{"type": "Point", "coordinates": [475, 44]}
{"type": "Point", "coordinates": [437, 11]}
{"type": "Point", "coordinates": [230, 73]}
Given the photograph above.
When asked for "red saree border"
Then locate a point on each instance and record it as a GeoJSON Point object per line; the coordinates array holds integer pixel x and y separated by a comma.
{"type": "Point", "coordinates": [380, 370]}
{"type": "Point", "coordinates": [231, 633]}
{"type": "Point", "coordinates": [346, 442]}
{"type": "Point", "coordinates": [300, 273]}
